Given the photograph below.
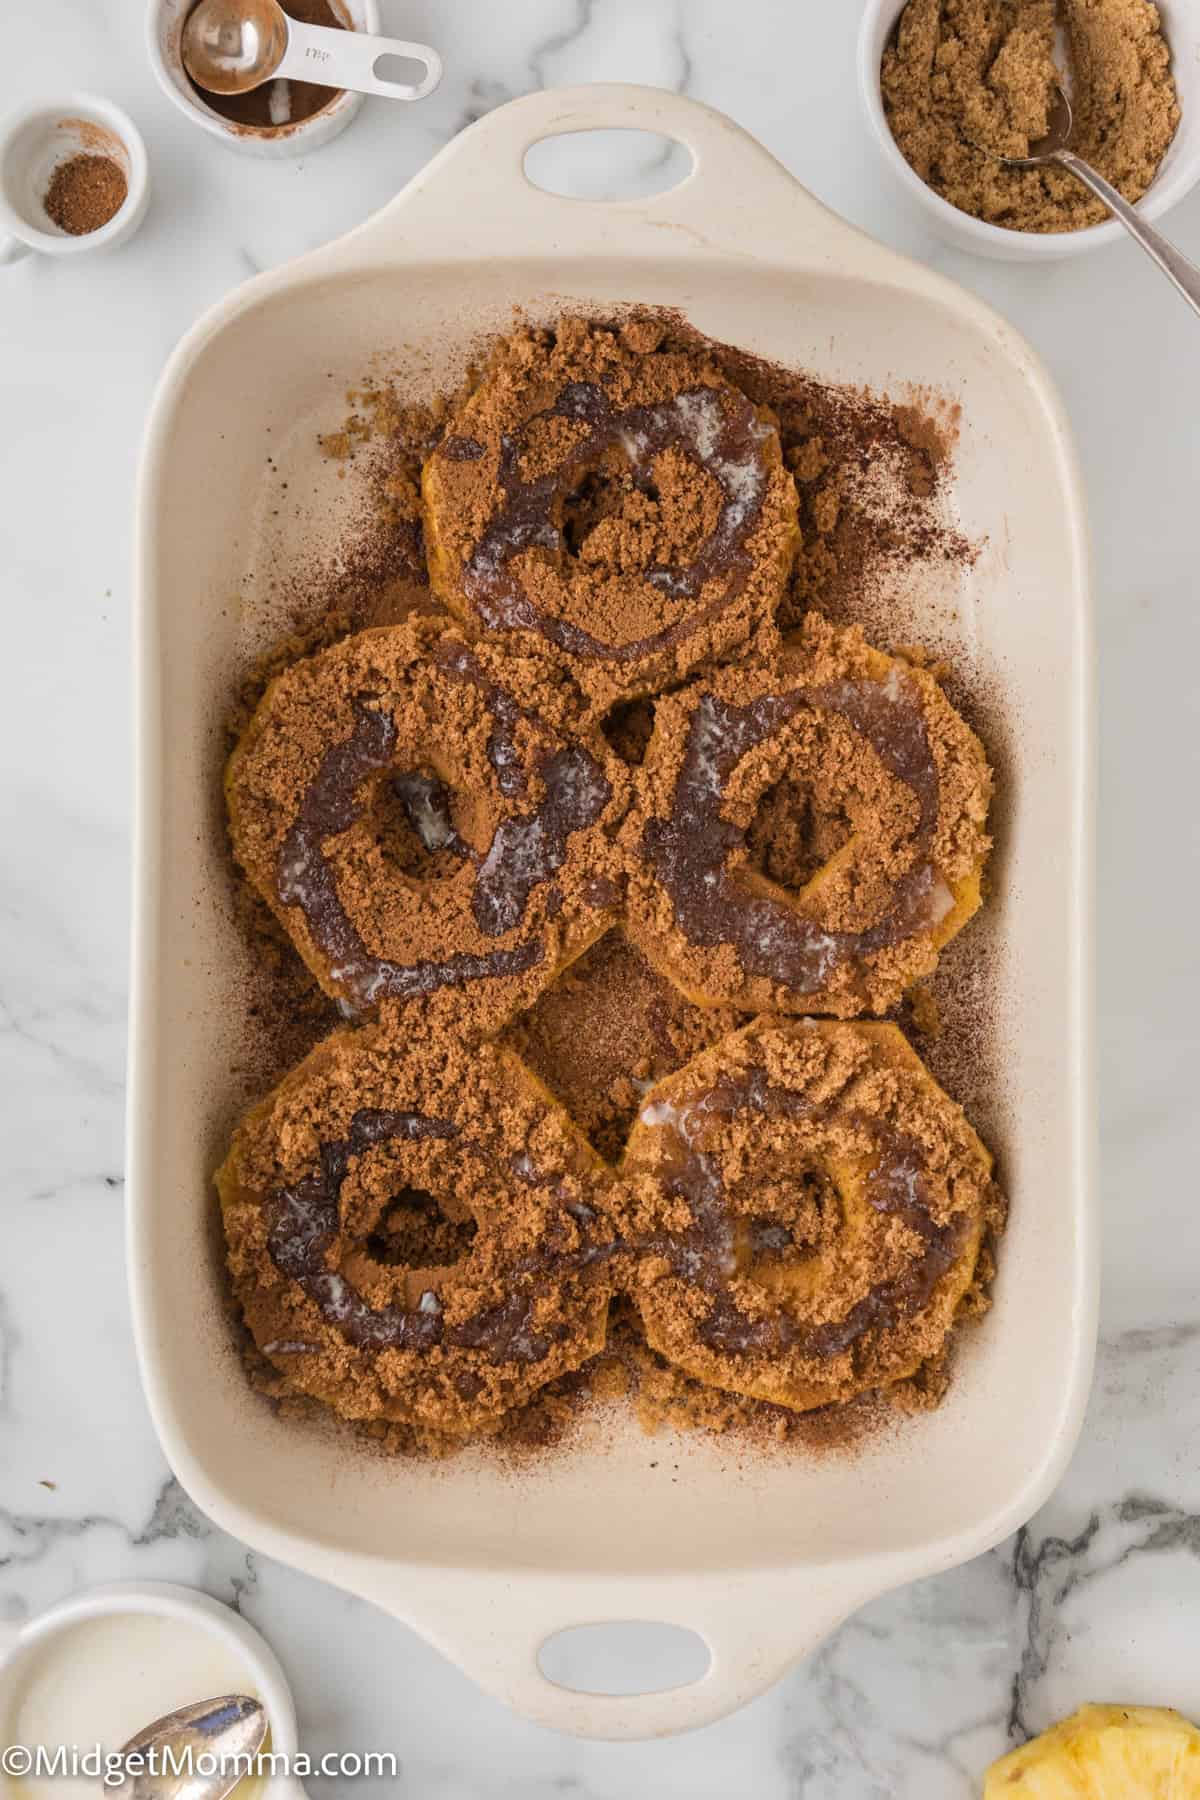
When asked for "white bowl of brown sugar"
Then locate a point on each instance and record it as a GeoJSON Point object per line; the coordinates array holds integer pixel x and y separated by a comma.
{"type": "Point", "coordinates": [950, 87]}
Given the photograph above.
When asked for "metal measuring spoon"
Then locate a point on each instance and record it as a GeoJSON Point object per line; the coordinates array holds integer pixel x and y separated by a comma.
{"type": "Point", "coordinates": [232, 46]}
{"type": "Point", "coordinates": [1054, 151]}
{"type": "Point", "coordinates": [233, 1726]}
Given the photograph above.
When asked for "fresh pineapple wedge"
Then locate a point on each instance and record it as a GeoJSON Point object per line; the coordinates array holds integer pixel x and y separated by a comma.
{"type": "Point", "coordinates": [1104, 1753]}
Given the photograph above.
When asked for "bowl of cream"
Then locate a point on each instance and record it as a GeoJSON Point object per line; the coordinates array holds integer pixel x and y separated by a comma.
{"type": "Point", "coordinates": [81, 1679]}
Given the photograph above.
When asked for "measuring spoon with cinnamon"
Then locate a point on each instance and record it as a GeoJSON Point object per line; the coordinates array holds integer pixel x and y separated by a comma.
{"type": "Point", "coordinates": [233, 46]}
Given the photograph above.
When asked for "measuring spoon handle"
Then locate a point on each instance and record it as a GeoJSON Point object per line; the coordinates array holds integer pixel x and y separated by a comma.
{"type": "Point", "coordinates": [1174, 265]}
{"type": "Point", "coordinates": [347, 59]}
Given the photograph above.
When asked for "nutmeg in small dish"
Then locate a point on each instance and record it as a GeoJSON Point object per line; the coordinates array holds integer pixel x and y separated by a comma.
{"type": "Point", "coordinates": [73, 177]}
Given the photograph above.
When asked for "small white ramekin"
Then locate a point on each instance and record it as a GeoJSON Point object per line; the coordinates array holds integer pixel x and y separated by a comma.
{"type": "Point", "coordinates": [164, 29]}
{"type": "Point", "coordinates": [33, 142]}
{"type": "Point", "coordinates": [1178, 175]}
{"type": "Point", "coordinates": [164, 1600]}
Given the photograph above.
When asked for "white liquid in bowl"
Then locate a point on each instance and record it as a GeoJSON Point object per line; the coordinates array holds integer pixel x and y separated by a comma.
{"type": "Point", "coordinates": [100, 1681]}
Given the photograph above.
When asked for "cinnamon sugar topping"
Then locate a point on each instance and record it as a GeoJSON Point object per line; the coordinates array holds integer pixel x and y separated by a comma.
{"type": "Point", "coordinates": [368, 1127]}
{"type": "Point", "coordinates": [837, 1202]}
{"type": "Point", "coordinates": [309, 797]}
{"type": "Point", "coordinates": [627, 505]}
{"type": "Point", "coordinates": [873, 739]}
{"type": "Point", "coordinates": [554, 856]}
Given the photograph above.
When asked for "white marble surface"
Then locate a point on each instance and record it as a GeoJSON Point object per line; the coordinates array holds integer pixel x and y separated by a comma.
{"type": "Point", "coordinates": [1097, 1598]}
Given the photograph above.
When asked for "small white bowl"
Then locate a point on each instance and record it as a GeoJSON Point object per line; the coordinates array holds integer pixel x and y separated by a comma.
{"type": "Point", "coordinates": [164, 30]}
{"type": "Point", "coordinates": [34, 141]}
{"type": "Point", "coordinates": [1178, 175]}
{"type": "Point", "coordinates": [20, 1646]}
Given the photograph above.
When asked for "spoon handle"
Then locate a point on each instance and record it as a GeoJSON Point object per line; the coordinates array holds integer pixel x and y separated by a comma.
{"type": "Point", "coordinates": [1174, 265]}
{"type": "Point", "coordinates": [347, 59]}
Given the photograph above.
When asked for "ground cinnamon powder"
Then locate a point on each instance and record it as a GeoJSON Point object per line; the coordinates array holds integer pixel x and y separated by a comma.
{"type": "Point", "coordinates": [608, 1028]}
{"type": "Point", "coordinates": [85, 192]}
{"type": "Point", "coordinates": [870, 473]}
{"type": "Point", "coordinates": [967, 82]}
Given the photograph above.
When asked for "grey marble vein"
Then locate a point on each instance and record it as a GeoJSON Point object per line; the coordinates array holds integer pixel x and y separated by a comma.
{"type": "Point", "coordinates": [45, 1036]}
{"type": "Point", "coordinates": [1051, 1571]}
{"type": "Point", "coordinates": [564, 38]}
{"type": "Point", "coordinates": [1152, 1340]}
{"type": "Point", "coordinates": [485, 94]}
{"type": "Point", "coordinates": [679, 44]}
{"type": "Point", "coordinates": [245, 1586]}
{"type": "Point", "coordinates": [8, 1345]}
{"type": "Point", "coordinates": [31, 1536]}
{"type": "Point", "coordinates": [1045, 1573]}
{"type": "Point", "coordinates": [173, 1516]}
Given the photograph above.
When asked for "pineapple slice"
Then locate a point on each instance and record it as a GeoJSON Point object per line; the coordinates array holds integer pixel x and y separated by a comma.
{"type": "Point", "coordinates": [1104, 1753]}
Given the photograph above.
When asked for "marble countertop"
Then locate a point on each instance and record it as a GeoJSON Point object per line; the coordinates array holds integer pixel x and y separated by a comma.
{"type": "Point", "coordinates": [1097, 1597]}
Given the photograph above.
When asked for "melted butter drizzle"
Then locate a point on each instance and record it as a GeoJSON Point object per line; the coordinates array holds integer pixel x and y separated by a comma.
{"type": "Point", "coordinates": [305, 1225]}
{"type": "Point", "coordinates": [690, 850]}
{"type": "Point", "coordinates": [526, 850]}
{"type": "Point", "coordinates": [703, 1256]}
{"type": "Point", "coordinates": [724, 436]}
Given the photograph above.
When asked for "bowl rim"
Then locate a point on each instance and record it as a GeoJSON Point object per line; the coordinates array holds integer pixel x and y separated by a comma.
{"type": "Point", "coordinates": [168, 1600]}
{"type": "Point", "coordinates": [878, 20]}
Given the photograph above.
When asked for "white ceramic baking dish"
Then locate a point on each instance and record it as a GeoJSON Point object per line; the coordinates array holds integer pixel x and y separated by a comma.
{"type": "Point", "coordinates": [761, 1555]}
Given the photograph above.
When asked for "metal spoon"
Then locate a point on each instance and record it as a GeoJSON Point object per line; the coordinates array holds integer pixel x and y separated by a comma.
{"type": "Point", "coordinates": [1054, 151]}
{"type": "Point", "coordinates": [232, 1726]}
{"type": "Point", "coordinates": [232, 46]}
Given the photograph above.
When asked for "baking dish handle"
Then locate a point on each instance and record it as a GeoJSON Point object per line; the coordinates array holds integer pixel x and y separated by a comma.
{"type": "Point", "coordinates": [475, 195]}
{"type": "Point", "coordinates": [755, 1627]}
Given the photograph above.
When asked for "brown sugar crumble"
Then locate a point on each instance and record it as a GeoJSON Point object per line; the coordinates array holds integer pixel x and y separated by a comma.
{"type": "Point", "coordinates": [416, 1235]}
{"type": "Point", "coordinates": [608, 1029]}
{"type": "Point", "coordinates": [570, 1152]}
{"type": "Point", "coordinates": [967, 82]}
{"type": "Point", "coordinates": [846, 781]}
{"type": "Point", "coordinates": [616, 496]}
{"type": "Point", "coordinates": [838, 1202]}
{"type": "Point", "coordinates": [428, 820]}
{"type": "Point", "coordinates": [85, 192]}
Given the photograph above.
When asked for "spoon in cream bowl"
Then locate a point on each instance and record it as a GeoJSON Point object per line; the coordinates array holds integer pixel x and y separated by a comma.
{"type": "Point", "coordinates": [233, 46]}
{"type": "Point", "coordinates": [198, 1752]}
{"type": "Point", "coordinates": [1054, 152]}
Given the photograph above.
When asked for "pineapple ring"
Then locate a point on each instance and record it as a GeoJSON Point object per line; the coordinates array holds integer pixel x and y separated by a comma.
{"type": "Point", "coordinates": [507, 801]}
{"type": "Point", "coordinates": [836, 1203]}
{"type": "Point", "coordinates": [876, 739]}
{"type": "Point", "coordinates": [413, 1238]}
{"type": "Point", "coordinates": [1102, 1752]}
{"type": "Point", "coordinates": [686, 527]}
